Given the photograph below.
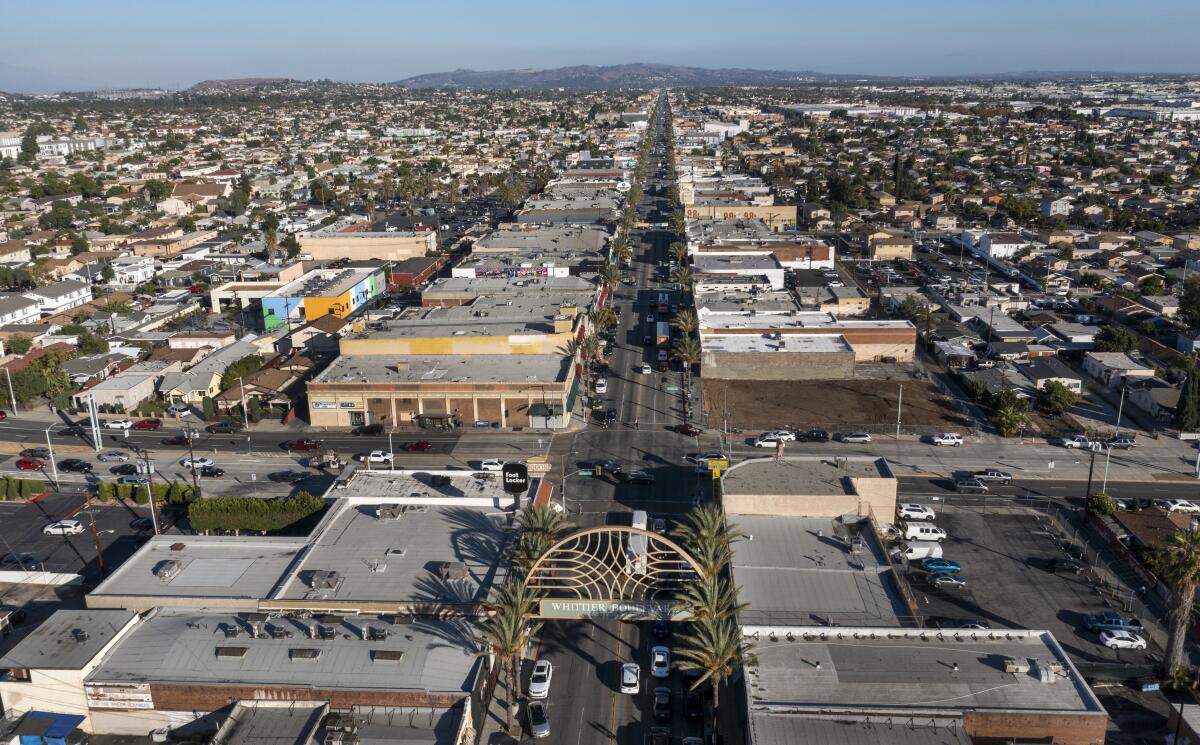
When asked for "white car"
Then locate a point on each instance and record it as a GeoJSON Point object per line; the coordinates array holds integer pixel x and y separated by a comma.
{"type": "Point", "coordinates": [601, 385]}
{"type": "Point", "coordinates": [491, 464]}
{"type": "Point", "coordinates": [63, 527]}
{"type": "Point", "coordinates": [910, 511]}
{"type": "Point", "coordinates": [1078, 441]}
{"type": "Point", "coordinates": [124, 424]}
{"type": "Point", "coordinates": [766, 441]}
{"type": "Point", "coordinates": [1122, 640]}
{"type": "Point", "coordinates": [1180, 505]}
{"type": "Point", "coordinates": [856, 438]}
{"type": "Point", "coordinates": [660, 662]}
{"type": "Point", "coordinates": [197, 462]}
{"type": "Point", "coordinates": [646, 369]}
{"type": "Point", "coordinates": [781, 434]}
{"type": "Point", "coordinates": [378, 456]}
{"type": "Point", "coordinates": [631, 678]}
{"type": "Point", "coordinates": [948, 438]}
{"type": "Point", "coordinates": [539, 681]}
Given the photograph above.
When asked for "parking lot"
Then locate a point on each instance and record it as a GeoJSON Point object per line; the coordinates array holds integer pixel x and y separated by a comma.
{"type": "Point", "coordinates": [1004, 552]}
{"type": "Point", "coordinates": [21, 526]}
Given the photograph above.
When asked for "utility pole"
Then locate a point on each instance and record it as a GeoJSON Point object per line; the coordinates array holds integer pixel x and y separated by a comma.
{"type": "Point", "coordinates": [50, 449]}
{"type": "Point", "coordinates": [150, 491]}
{"type": "Point", "coordinates": [1120, 408]}
{"type": "Point", "coordinates": [95, 535]}
{"type": "Point", "coordinates": [245, 412]}
{"type": "Point", "coordinates": [190, 434]}
{"type": "Point", "coordinates": [12, 399]}
{"type": "Point", "coordinates": [1087, 495]}
{"type": "Point", "coordinates": [899, 404]}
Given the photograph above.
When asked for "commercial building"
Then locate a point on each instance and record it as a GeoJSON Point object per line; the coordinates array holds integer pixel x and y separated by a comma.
{"type": "Point", "coordinates": [871, 340]}
{"type": "Point", "coordinates": [811, 487]}
{"type": "Point", "coordinates": [355, 242]}
{"type": "Point", "coordinates": [758, 265]}
{"type": "Point", "coordinates": [321, 292]}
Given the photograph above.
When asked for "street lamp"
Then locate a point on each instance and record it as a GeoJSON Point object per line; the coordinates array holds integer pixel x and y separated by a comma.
{"type": "Point", "coordinates": [50, 449]}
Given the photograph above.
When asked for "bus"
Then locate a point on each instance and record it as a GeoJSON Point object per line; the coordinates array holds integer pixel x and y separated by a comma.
{"type": "Point", "coordinates": [663, 336]}
{"type": "Point", "coordinates": [638, 548]}
{"type": "Point", "coordinates": [664, 302]}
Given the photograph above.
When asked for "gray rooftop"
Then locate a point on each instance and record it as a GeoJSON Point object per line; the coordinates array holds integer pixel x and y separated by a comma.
{"type": "Point", "coordinates": [795, 344]}
{"type": "Point", "coordinates": [806, 476]}
{"type": "Point", "coordinates": [529, 286]}
{"type": "Point", "coordinates": [799, 571]}
{"type": "Point", "coordinates": [743, 263]}
{"type": "Point", "coordinates": [547, 238]}
{"type": "Point", "coordinates": [494, 368]}
{"type": "Point", "coordinates": [272, 723]}
{"type": "Point", "coordinates": [195, 647]}
{"type": "Point", "coordinates": [67, 640]}
{"type": "Point", "coordinates": [771, 729]}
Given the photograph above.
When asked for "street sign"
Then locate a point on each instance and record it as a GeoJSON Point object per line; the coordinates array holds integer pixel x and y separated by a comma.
{"type": "Point", "coordinates": [717, 464]}
{"type": "Point", "coordinates": [586, 473]}
{"type": "Point", "coordinates": [672, 389]}
{"type": "Point", "coordinates": [626, 609]}
{"type": "Point", "coordinates": [516, 478]}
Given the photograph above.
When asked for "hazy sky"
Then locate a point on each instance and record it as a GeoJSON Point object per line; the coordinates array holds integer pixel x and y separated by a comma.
{"type": "Point", "coordinates": [124, 43]}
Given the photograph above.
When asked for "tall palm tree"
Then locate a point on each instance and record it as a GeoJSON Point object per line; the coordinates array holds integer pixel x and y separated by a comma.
{"type": "Point", "coordinates": [504, 635]}
{"type": "Point", "coordinates": [602, 318]}
{"type": "Point", "coordinates": [679, 251]}
{"type": "Point", "coordinates": [710, 598]}
{"type": "Point", "coordinates": [611, 276]}
{"type": "Point", "coordinates": [682, 276]}
{"type": "Point", "coordinates": [687, 352]}
{"type": "Point", "coordinates": [1179, 559]}
{"type": "Point", "coordinates": [704, 530]}
{"type": "Point", "coordinates": [540, 527]}
{"type": "Point", "coordinates": [685, 321]}
{"type": "Point", "coordinates": [589, 352]}
{"type": "Point", "coordinates": [713, 649]}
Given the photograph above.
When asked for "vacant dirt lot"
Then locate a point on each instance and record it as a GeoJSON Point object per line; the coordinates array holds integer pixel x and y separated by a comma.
{"type": "Point", "coordinates": [831, 404]}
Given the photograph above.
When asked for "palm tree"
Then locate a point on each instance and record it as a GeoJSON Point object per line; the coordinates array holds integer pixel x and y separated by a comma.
{"type": "Point", "coordinates": [1179, 559]}
{"type": "Point", "coordinates": [682, 276]}
{"type": "Point", "coordinates": [611, 276]}
{"type": "Point", "coordinates": [687, 352]}
{"type": "Point", "coordinates": [704, 530]}
{"type": "Point", "coordinates": [505, 633]}
{"type": "Point", "coordinates": [602, 318]}
{"type": "Point", "coordinates": [713, 649]}
{"type": "Point", "coordinates": [540, 527]}
{"type": "Point", "coordinates": [710, 598]}
{"type": "Point", "coordinates": [678, 250]}
{"type": "Point", "coordinates": [589, 351]}
{"type": "Point", "coordinates": [685, 321]}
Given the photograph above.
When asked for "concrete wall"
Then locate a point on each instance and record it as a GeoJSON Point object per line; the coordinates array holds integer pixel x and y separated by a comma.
{"type": "Point", "coordinates": [792, 505]}
{"type": "Point", "coordinates": [777, 365]}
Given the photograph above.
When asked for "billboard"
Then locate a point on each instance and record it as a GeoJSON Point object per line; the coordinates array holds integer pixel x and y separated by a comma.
{"type": "Point", "coordinates": [516, 478]}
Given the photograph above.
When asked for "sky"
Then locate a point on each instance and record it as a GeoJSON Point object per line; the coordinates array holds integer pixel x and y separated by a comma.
{"type": "Point", "coordinates": [135, 43]}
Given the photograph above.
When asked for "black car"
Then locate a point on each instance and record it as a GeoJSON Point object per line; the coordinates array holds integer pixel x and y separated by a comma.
{"type": "Point", "coordinates": [368, 430]}
{"type": "Point", "coordinates": [73, 430]}
{"type": "Point", "coordinates": [43, 453]}
{"type": "Point", "coordinates": [1064, 566]}
{"type": "Point", "coordinates": [176, 441]}
{"type": "Point", "coordinates": [693, 705]}
{"type": "Point", "coordinates": [610, 416]}
{"type": "Point", "coordinates": [662, 629]}
{"type": "Point", "coordinates": [813, 435]}
{"type": "Point", "coordinates": [225, 428]}
{"type": "Point", "coordinates": [15, 615]}
{"type": "Point", "coordinates": [142, 524]}
{"type": "Point", "coordinates": [287, 477]}
{"type": "Point", "coordinates": [125, 469]}
{"type": "Point", "coordinates": [75, 465]}
{"type": "Point", "coordinates": [211, 472]}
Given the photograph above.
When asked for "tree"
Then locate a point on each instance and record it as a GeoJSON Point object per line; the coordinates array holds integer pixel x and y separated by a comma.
{"type": "Point", "coordinates": [1187, 410]}
{"type": "Point", "coordinates": [504, 635]}
{"type": "Point", "coordinates": [108, 273]}
{"type": "Point", "coordinates": [611, 276]}
{"type": "Point", "coordinates": [19, 344]}
{"type": "Point", "coordinates": [709, 598]}
{"type": "Point", "coordinates": [1055, 398]}
{"type": "Point", "coordinates": [713, 649]}
{"type": "Point", "coordinates": [539, 527]}
{"type": "Point", "coordinates": [705, 534]}
{"type": "Point", "coordinates": [210, 410]}
{"type": "Point", "coordinates": [602, 318]}
{"type": "Point", "coordinates": [687, 353]}
{"type": "Point", "coordinates": [678, 250]}
{"type": "Point", "coordinates": [1116, 339]}
{"type": "Point", "coordinates": [1178, 558]}
{"type": "Point", "coordinates": [240, 369]}
{"type": "Point", "coordinates": [685, 321]}
{"type": "Point", "coordinates": [291, 245]}
{"type": "Point", "coordinates": [682, 276]}
{"type": "Point", "coordinates": [118, 306]}
{"type": "Point", "coordinates": [79, 244]}
{"type": "Point", "coordinates": [1189, 300]}
{"type": "Point", "coordinates": [157, 190]}
{"type": "Point", "coordinates": [59, 217]}
{"type": "Point", "coordinates": [1009, 411]}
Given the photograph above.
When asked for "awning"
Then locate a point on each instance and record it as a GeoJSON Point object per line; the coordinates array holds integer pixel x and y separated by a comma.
{"type": "Point", "coordinates": [47, 725]}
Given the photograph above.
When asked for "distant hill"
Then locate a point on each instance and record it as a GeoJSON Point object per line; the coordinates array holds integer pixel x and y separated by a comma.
{"type": "Point", "coordinates": [592, 77]}
{"type": "Point", "coordinates": [235, 84]}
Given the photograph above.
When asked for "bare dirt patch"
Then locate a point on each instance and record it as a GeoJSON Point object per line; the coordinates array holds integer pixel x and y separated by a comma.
{"type": "Point", "coordinates": [843, 405]}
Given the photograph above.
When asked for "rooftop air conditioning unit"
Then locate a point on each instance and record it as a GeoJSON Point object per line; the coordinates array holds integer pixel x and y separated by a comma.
{"type": "Point", "coordinates": [449, 570]}
{"type": "Point", "coordinates": [325, 580]}
{"type": "Point", "coordinates": [389, 511]}
{"type": "Point", "coordinates": [165, 570]}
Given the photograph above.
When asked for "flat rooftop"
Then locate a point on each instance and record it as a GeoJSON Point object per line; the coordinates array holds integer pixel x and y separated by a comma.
{"type": "Point", "coordinates": [733, 301]}
{"type": "Point", "coordinates": [67, 640]}
{"type": "Point", "coordinates": [190, 647]}
{"type": "Point", "coordinates": [272, 723]}
{"type": "Point", "coordinates": [325, 282]}
{"type": "Point", "coordinates": [743, 263]}
{"type": "Point", "coordinates": [807, 344]}
{"type": "Point", "coordinates": [912, 671]}
{"type": "Point", "coordinates": [805, 476]}
{"type": "Point", "coordinates": [548, 238]}
{"type": "Point", "coordinates": [493, 368]}
{"type": "Point", "coordinates": [799, 320]}
{"type": "Point", "coordinates": [800, 571]}
{"type": "Point", "coordinates": [768, 728]}
{"type": "Point", "coordinates": [505, 286]}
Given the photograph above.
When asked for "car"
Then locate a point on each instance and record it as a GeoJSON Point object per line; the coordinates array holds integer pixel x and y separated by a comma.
{"type": "Point", "coordinates": [661, 629]}
{"type": "Point", "coordinates": [1000, 477]}
{"type": "Point", "coordinates": [970, 486]}
{"type": "Point", "coordinates": [688, 430]}
{"type": "Point", "coordinates": [610, 416]}
{"type": "Point", "coordinates": [133, 480]}
{"type": "Point", "coordinates": [30, 464]}
{"type": "Point", "coordinates": [766, 441]}
{"type": "Point", "coordinates": [19, 560]}
{"type": "Point", "coordinates": [303, 445]}
{"type": "Point", "coordinates": [491, 464]}
{"type": "Point", "coordinates": [367, 430]}
{"type": "Point", "coordinates": [974, 624]}
{"type": "Point", "coordinates": [942, 566]}
{"type": "Point", "coordinates": [198, 462]}
{"type": "Point", "coordinates": [1179, 505]}
{"type": "Point", "coordinates": [113, 456]}
{"type": "Point", "coordinates": [1122, 640]}
{"type": "Point", "coordinates": [813, 435]}
{"type": "Point", "coordinates": [943, 580]}
{"type": "Point", "coordinates": [125, 469]}
{"type": "Point", "coordinates": [662, 704]}
{"type": "Point", "coordinates": [910, 511]}
{"type": "Point", "coordinates": [1111, 621]}
{"type": "Point", "coordinates": [953, 439]}
{"type": "Point", "coordinates": [705, 457]}
{"type": "Point", "coordinates": [631, 678]}
{"type": "Point", "coordinates": [659, 526]}
{"type": "Point", "coordinates": [378, 456]}
{"type": "Point", "coordinates": [75, 465]}
{"type": "Point", "coordinates": [640, 477]}
{"type": "Point", "coordinates": [855, 438]}
{"type": "Point", "coordinates": [662, 736]}
{"type": "Point", "coordinates": [179, 441]}
{"type": "Point", "coordinates": [1065, 566]}
{"type": "Point", "coordinates": [122, 424]}
{"type": "Point", "coordinates": [63, 527]}
{"type": "Point", "coordinates": [660, 661]}
{"type": "Point", "coordinates": [1121, 443]}
{"type": "Point", "coordinates": [693, 706]}
{"type": "Point", "coordinates": [646, 370]}
{"type": "Point", "coordinates": [647, 341]}
{"type": "Point", "coordinates": [539, 680]}
{"type": "Point", "coordinates": [287, 477]}
{"type": "Point", "coordinates": [1076, 441]}
{"type": "Point", "coordinates": [151, 424]}
{"type": "Point", "coordinates": [179, 409]}
{"type": "Point", "coordinates": [780, 434]}
{"type": "Point", "coordinates": [420, 446]}
{"type": "Point", "coordinates": [211, 472]}
{"type": "Point", "coordinates": [42, 453]}
{"type": "Point", "coordinates": [225, 428]}
{"type": "Point", "coordinates": [601, 385]}
{"type": "Point", "coordinates": [142, 524]}
{"type": "Point", "coordinates": [539, 723]}
{"type": "Point", "coordinates": [71, 430]}
{"type": "Point", "coordinates": [3, 415]}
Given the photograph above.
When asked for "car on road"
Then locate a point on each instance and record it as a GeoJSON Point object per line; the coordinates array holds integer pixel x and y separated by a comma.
{"type": "Point", "coordinates": [780, 434]}
{"type": "Point", "coordinates": [999, 477]}
{"type": "Point", "coordinates": [942, 580]}
{"type": "Point", "coordinates": [631, 678]}
{"type": "Point", "coordinates": [225, 428]}
{"type": "Point", "coordinates": [539, 723]}
{"type": "Point", "coordinates": [125, 469]}
{"type": "Point", "coordinates": [640, 477]}
{"type": "Point", "coordinates": [30, 464]}
{"type": "Point", "coordinates": [211, 472]}
{"type": "Point", "coordinates": [970, 486]}
{"type": "Point", "coordinates": [75, 465]}
{"type": "Point", "coordinates": [1179, 505]}
{"type": "Point", "coordinates": [179, 441]}
{"type": "Point", "coordinates": [287, 477]}
{"type": "Point", "coordinates": [942, 566]}
{"type": "Point", "coordinates": [63, 527]}
{"type": "Point", "coordinates": [19, 560]}
{"type": "Point", "coordinates": [303, 445]}
{"type": "Point", "coordinates": [71, 430]}
{"type": "Point", "coordinates": [1122, 640]}
{"type": "Point", "coordinates": [3, 415]}
{"type": "Point", "coordinates": [122, 424]}
{"type": "Point", "coordinates": [42, 453]}
{"type": "Point", "coordinates": [113, 456]}
{"type": "Point", "coordinates": [661, 629]}
{"type": "Point", "coordinates": [911, 511]}
{"type": "Point", "coordinates": [1076, 441]}
{"type": "Point", "coordinates": [662, 736]}
{"type": "Point", "coordinates": [975, 624]}
{"type": "Point", "coordinates": [539, 680]}
{"type": "Point", "coordinates": [1065, 566]}
{"type": "Point", "coordinates": [198, 462]}
{"type": "Point", "coordinates": [766, 441]}
{"type": "Point", "coordinates": [646, 369]}
{"type": "Point", "coordinates": [150, 424]}
{"type": "Point", "coordinates": [377, 456]}
{"type": "Point", "coordinates": [491, 464]}
{"type": "Point", "coordinates": [420, 446]}
{"type": "Point", "coordinates": [1121, 443]}
{"type": "Point", "coordinates": [141, 524]}
{"type": "Point", "coordinates": [855, 438]}
{"type": "Point", "coordinates": [601, 385]}
{"type": "Point", "coordinates": [813, 435]}
{"type": "Point", "coordinates": [367, 430]}
{"type": "Point", "coordinates": [1111, 621]}
{"type": "Point", "coordinates": [133, 480]}
{"type": "Point", "coordinates": [688, 430]}
{"type": "Point", "coordinates": [660, 661]}
{"type": "Point", "coordinates": [953, 439]}
{"type": "Point", "coordinates": [662, 704]}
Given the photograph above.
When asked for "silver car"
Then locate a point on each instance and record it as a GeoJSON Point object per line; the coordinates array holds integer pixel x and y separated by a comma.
{"type": "Point", "coordinates": [539, 723]}
{"type": "Point", "coordinates": [113, 456]}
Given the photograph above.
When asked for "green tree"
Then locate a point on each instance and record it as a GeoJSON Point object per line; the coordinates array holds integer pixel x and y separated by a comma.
{"type": "Point", "coordinates": [505, 635]}
{"type": "Point", "coordinates": [1179, 562]}
{"type": "Point", "coordinates": [1116, 339]}
{"type": "Point", "coordinates": [118, 306]}
{"type": "Point", "coordinates": [291, 245]}
{"type": "Point", "coordinates": [685, 321]}
{"type": "Point", "coordinates": [1189, 300]}
{"type": "Point", "coordinates": [611, 276]}
{"type": "Point", "coordinates": [538, 528]}
{"type": "Point", "coordinates": [79, 244]}
{"type": "Point", "coordinates": [1055, 398]}
{"type": "Point", "coordinates": [157, 190]}
{"type": "Point", "coordinates": [240, 369]}
{"type": "Point", "coordinates": [19, 344]}
{"type": "Point", "coordinates": [1009, 413]}
{"type": "Point", "coordinates": [108, 273]}
{"type": "Point", "coordinates": [250, 513]}
{"type": "Point", "coordinates": [1187, 410]}
{"type": "Point", "coordinates": [714, 649]}
{"type": "Point", "coordinates": [709, 598]}
{"type": "Point", "coordinates": [708, 537]}
{"type": "Point", "coordinates": [59, 217]}
{"type": "Point", "coordinates": [210, 410]}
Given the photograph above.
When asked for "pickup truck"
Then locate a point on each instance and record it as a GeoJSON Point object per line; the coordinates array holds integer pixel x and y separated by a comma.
{"type": "Point", "coordinates": [1111, 621]}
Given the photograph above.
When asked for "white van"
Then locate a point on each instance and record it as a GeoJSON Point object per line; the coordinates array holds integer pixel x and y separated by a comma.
{"type": "Point", "coordinates": [918, 550]}
{"type": "Point", "coordinates": [640, 519]}
{"type": "Point", "coordinates": [923, 532]}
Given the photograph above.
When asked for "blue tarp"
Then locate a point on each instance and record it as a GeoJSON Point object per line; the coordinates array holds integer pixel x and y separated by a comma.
{"type": "Point", "coordinates": [60, 726]}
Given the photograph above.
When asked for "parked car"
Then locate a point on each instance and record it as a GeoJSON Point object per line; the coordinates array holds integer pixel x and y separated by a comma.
{"type": "Point", "coordinates": [601, 385]}
{"type": "Point", "coordinates": [287, 477]}
{"type": "Point", "coordinates": [71, 430]}
{"type": "Point", "coordinates": [1179, 505]}
{"type": "Point", "coordinates": [30, 464]}
{"type": "Point", "coordinates": [113, 456]}
{"type": "Point", "coordinates": [19, 560]}
{"type": "Point", "coordinates": [133, 480]}
{"type": "Point", "coordinates": [1110, 620]}
{"type": "Point", "coordinates": [922, 531]}
{"type": "Point", "coordinates": [1122, 640]}
{"type": "Point", "coordinates": [646, 369]}
{"type": "Point", "coordinates": [491, 464]}
{"type": "Point", "coordinates": [142, 524]}
{"type": "Point", "coordinates": [198, 462]}
{"type": "Point", "coordinates": [539, 680]}
{"type": "Point", "coordinates": [1065, 566]}
{"type": "Point", "coordinates": [662, 704]}
{"type": "Point", "coordinates": [631, 678]}
{"type": "Point", "coordinates": [953, 439]}
{"type": "Point", "coordinates": [378, 456]}
{"type": "Point", "coordinates": [150, 424]}
{"type": "Point", "coordinates": [660, 661]}
{"type": "Point", "coordinates": [855, 438]}
{"type": "Point", "coordinates": [225, 428]}
{"type": "Point", "coordinates": [122, 424]}
{"type": "Point", "coordinates": [942, 580]}
{"type": "Point", "coordinates": [693, 704]}
{"type": "Point", "coordinates": [1077, 441]}
{"type": "Point", "coordinates": [75, 465]}
{"type": "Point", "coordinates": [780, 434]}
{"type": "Point", "coordinates": [999, 477]}
{"type": "Point", "coordinates": [943, 566]}
{"type": "Point", "coordinates": [42, 453]}
{"type": "Point", "coordinates": [303, 446]}
{"type": "Point", "coordinates": [662, 736]}
{"type": "Point", "coordinates": [813, 435]}
{"type": "Point", "coordinates": [910, 511]}
{"type": "Point", "coordinates": [211, 472]}
{"type": "Point", "coordinates": [1121, 443]}
{"type": "Point", "coordinates": [539, 723]}
{"type": "Point", "coordinates": [63, 527]}
{"type": "Point", "coordinates": [970, 486]}
{"type": "Point", "coordinates": [766, 441]}
{"type": "Point", "coordinates": [976, 624]}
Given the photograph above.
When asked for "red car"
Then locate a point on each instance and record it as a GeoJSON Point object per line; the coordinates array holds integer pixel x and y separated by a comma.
{"type": "Point", "coordinates": [30, 464]}
{"type": "Point", "coordinates": [148, 424]}
{"type": "Point", "coordinates": [177, 440]}
{"type": "Point", "coordinates": [420, 446]}
{"type": "Point", "coordinates": [3, 415]}
{"type": "Point", "coordinates": [303, 446]}
{"type": "Point", "coordinates": [197, 290]}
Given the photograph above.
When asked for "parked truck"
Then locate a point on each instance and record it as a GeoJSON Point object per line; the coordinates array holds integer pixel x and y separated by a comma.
{"type": "Point", "coordinates": [1111, 621]}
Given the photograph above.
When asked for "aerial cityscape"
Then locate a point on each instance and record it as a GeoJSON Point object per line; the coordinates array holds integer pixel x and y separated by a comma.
{"type": "Point", "coordinates": [502, 388]}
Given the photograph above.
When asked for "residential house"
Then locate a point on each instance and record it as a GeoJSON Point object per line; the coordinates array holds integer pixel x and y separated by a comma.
{"type": "Point", "coordinates": [16, 309]}
{"type": "Point", "coordinates": [14, 252]}
{"type": "Point", "coordinates": [1056, 206]}
{"type": "Point", "coordinates": [1114, 368]}
{"type": "Point", "coordinates": [1044, 370]}
{"type": "Point", "coordinates": [57, 297]}
{"type": "Point", "coordinates": [1166, 306]}
{"type": "Point", "coordinates": [1001, 245]}
{"type": "Point", "coordinates": [1156, 397]}
{"type": "Point", "coordinates": [131, 271]}
{"type": "Point", "coordinates": [204, 378]}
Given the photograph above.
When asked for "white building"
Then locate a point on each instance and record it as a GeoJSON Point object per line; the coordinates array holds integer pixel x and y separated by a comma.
{"type": "Point", "coordinates": [1001, 245]}
{"type": "Point", "coordinates": [59, 296]}
{"type": "Point", "coordinates": [15, 309]}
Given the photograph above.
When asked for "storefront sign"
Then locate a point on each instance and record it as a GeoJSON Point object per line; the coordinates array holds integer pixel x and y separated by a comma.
{"type": "Point", "coordinates": [118, 695]}
{"type": "Point", "coordinates": [627, 609]}
{"type": "Point", "coordinates": [516, 478]}
{"type": "Point", "coordinates": [324, 405]}
{"type": "Point", "coordinates": [349, 404]}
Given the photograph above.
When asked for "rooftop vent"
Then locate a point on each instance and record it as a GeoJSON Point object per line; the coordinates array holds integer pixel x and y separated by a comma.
{"type": "Point", "coordinates": [325, 580]}
{"type": "Point", "coordinates": [389, 511]}
{"type": "Point", "coordinates": [449, 570]}
{"type": "Point", "coordinates": [393, 656]}
{"type": "Point", "coordinates": [80, 635]}
{"type": "Point", "coordinates": [165, 570]}
{"type": "Point", "coordinates": [235, 653]}
{"type": "Point", "coordinates": [303, 654]}
{"type": "Point", "coordinates": [178, 546]}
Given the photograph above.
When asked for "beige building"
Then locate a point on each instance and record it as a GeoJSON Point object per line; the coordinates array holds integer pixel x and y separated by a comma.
{"type": "Point", "coordinates": [775, 216]}
{"type": "Point", "coordinates": [811, 487]}
{"type": "Point", "coordinates": [328, 245]}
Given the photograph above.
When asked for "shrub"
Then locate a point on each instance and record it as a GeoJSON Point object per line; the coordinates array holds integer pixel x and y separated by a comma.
{"type": "Point", "coordinates": [12, 488]}
{"type": "Point", "coordinates": [1102, 504]}
{"type": "Point", "coordinates": [249, 513]}
{"type": "Point", "coordinates": [30, 488]}
{"type": "Point", "coordinates": [106, 491]}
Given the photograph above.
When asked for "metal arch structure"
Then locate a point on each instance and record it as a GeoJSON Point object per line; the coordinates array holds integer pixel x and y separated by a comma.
{"type": "Point", "coordinates": [611, 571]}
